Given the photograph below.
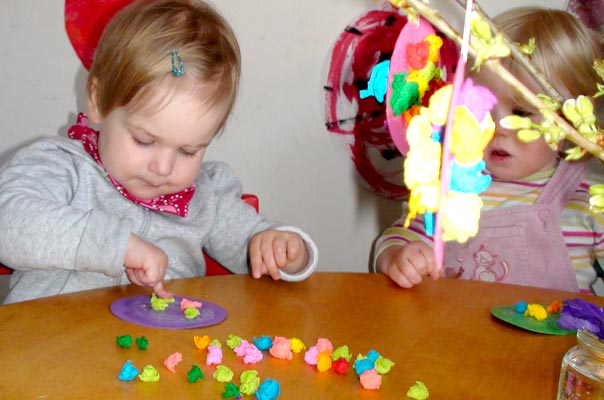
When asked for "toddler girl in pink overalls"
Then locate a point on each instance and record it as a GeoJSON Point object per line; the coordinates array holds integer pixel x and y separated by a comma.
{"type": "Point", "coordinates": [536, 228]}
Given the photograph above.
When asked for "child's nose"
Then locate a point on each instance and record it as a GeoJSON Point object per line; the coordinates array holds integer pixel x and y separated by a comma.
{"type": "Point", "coordinates": [500, 130]}
{"type": "Point", "coordinates": [163, 163]}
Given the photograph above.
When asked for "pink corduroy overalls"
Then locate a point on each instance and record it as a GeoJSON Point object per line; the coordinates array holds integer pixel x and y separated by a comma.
{"type": "Point", "coordinates": [522, 245]}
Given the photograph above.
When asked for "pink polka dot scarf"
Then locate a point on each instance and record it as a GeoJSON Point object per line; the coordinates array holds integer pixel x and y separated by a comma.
{"type": "Point", "coordinates": [173, 203]}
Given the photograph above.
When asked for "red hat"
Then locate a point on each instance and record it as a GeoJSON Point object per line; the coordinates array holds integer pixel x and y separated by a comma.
{"type": "Point", "coordinates": [359, 122]}
{"type": "Point", "coordinates": [85, 21]}
{"type": "Point", "coordinates": [358, 119]}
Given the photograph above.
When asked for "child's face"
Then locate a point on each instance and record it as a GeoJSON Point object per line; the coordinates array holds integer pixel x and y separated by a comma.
{"type": "Point", "coordinates": [507, 157]}
{"type": "Point", "coordinates": [159, 152]}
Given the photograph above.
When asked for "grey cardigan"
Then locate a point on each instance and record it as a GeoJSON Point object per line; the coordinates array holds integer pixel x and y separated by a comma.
{"type": "Point", "coordinates": [64, 227]}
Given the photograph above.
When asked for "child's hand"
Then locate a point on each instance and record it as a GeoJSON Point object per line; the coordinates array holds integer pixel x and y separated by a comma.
{"type": "Point", "coordinates": [146, 265]}
{"type": "Point", "coordinates": [407, 265]}
{"type": "Point", "coordinates": [273, 250]}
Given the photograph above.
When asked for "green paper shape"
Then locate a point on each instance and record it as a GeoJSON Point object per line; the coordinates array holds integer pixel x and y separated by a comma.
{"type": "Point", "coordinates": [230, 390]}
{"type": "Point", "coordinates": [142, 343]}
{"type": "Point", "coordinates": [195, 374]}
{"type": "Point", "coordinates": [419, 391]}
{"type": "Point", "coordinates": [124, 341]}
{"type": "Point", "coordinates": [548, 326]}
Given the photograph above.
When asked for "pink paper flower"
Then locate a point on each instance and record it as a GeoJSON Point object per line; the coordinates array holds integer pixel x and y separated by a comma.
{"type": "Point", "coordinates": [172, 360]}
{"type": "Point", "coordinates": [214, 356]}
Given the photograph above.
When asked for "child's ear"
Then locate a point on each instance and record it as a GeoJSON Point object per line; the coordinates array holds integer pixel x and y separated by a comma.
{"type": "Point", "coordinates": [94, 115]}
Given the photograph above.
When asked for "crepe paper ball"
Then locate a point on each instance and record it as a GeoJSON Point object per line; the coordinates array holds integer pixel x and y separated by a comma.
{"type": "Point", "coordinates": [536, 311]}
{"type": "Point", "coordinates": [191, 312]}
{"type": "Point", "coordinates": [340, 366]}
{"type": "Point", "coordinates": [419, 391]}
{"type": "Point", "coordinates": [216, 342]}
{"type": "Point", "coordinates": [378, 82]}
{"type": "Point", "coordinates": [172, 361]}
{"type": "Point", "coordinates": [383, 365]}
{"type": "Point", "coordinates": [520, 307]}
{"type": "Point", "coordinates": [124, 341]}
{"type": "Point", "coordinates": [281, 348]}
{"type": "Point", "coordinates": [310, 356]}
{"type": "Point", "coordinates": [362, 365]}
{"type": "Point", "coordinates": [373, 355]}
{"type": "Point", "coordinates": [242, 347]}
{"type": "Point", "coordinates": [214, 356]}
{"type": "Point", "coordinates": [149, 374]}
{"type": "Point", "coordinates": [186, 303]}
{"type": "Point", "coordinates": [582, 315]}
{"type": "Point", "coordinates": [250, 353]}
{"type": "Point", "coordinates": [404, 94]}
{"type": "Point", "coordinates": [252, 356]}
{"type": "Point", "coordinates": [264, 342]}
{"type": "Point", "coordinates": [201, 342]}
{"type": "Point", "coordinates": [371, 380]}
{"type": "Point", "coordinates": [268, 390]}
{"type": "Point", "coordinates": [324, 344]}
{"type": "Point", "coordinates": [324, 361]}
{"type": "Point", "coordinates": [469, 178]}
{"type": "Point", "coordinates": [554, 307]}
{"type": "Point", "coordinates": [128, 372]}
{"type": "Point", "coordinates": [249, 382]}
{"type": "Point", "coordinates": [195, 374]}
{"type": "Point", "coordinates": [297, 345]}
{"type": "Point", "coordinates": [341, 352]}
{"type": "Point", "coordinates": [223, 374]}
{"type": "Point", "coordinates": [142, 343]}
{"type": "Point", "coordinates": [233, 341]}
{"type": "Point", "coordinates": [230, 391]}
{"type": "Point", "coordinates": [461, 214]}
{"type": "Point", "coordinates": [573, 323]}
{"type": "Point", "coordinates": [159, 304]}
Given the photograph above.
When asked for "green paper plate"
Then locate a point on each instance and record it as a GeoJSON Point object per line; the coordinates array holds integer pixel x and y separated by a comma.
{"type": "Point", "coordinates": [548, 325]}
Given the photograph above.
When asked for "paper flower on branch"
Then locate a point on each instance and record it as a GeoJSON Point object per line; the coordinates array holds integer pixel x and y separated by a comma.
{"type": "Point", "coordinates": [596, 199]}
{"type": "Point", "coordinates": [486, 44]}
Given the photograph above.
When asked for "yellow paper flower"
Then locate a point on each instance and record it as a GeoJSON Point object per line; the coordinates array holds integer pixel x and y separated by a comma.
{"type": "Point", "coordinates": [439, 105]}
{"type": "Point", "coordinates": [422, 165]}
{"type": "Point", "coordinates": [469, 137]}
{"type": "Point", "coordinates": [460, 216]}
{"type": "Point", "coordinates": [436, 43]}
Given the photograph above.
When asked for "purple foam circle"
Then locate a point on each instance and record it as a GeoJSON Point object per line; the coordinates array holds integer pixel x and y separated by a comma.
{"type": "Point", "coordinates": [137, 309]}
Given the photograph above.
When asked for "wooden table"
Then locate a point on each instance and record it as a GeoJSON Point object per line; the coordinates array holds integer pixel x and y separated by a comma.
{"type": "Point", "coordinates": [440, 333]}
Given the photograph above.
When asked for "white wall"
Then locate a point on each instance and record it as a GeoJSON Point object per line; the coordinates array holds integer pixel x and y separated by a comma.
{"type": "Point", "coordinates": [276, 140]}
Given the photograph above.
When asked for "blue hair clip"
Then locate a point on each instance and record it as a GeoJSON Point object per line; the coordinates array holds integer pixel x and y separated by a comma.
{"type": "Point", "coordinates": [178, 67]}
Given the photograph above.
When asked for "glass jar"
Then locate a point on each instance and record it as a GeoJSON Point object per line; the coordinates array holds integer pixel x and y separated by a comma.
{"type": "Point", "coordinates": [582, 372]}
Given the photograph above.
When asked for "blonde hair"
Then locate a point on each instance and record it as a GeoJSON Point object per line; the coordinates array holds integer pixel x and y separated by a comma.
{"type": "Point", "coordinates": [565, 48]}
{"type": "Point", "coordinates": [134, 55]}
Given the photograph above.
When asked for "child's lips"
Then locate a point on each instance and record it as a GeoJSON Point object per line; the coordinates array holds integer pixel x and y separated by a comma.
{"type": "Point", "coordinates": [153, 184]}
{"type": "Point", "coordinates": [499, 155]}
